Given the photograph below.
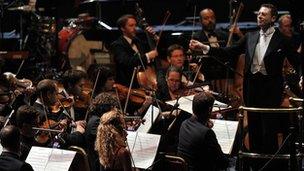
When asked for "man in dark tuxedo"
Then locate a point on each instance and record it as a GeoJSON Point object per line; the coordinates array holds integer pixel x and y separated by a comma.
{"type": "Point", "coordinates": [265, 51]}
{"type": "Point", "coordinates": [198, 144]}
{"type": "Point", "coordinates": [128, 51]}
{"type": "Point", "coordinates": [9, 158]}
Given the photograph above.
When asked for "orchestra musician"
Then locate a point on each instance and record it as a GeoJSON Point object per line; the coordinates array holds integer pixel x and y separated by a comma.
{"type": "Point", "coordinates": [111, 142]}
{"type": "Point", "coordinates": [105, 81]}
{"type": "Point", "coordinates": [26, 118]}
{"type": "Point", "coordinates": [101, 104]}
{"type": "Point", "coordinates": [290, 75]}
{"type": "Point", "coordinates": [215, 37]}
{"type": "Point", "coordinates": [9, 158]}
{"type": "Point", "coordinates": [198, 144]}
{"type": "Point", "coordinates": [265, 51]}
{"type": "Point", "coordinates": [47, 91]}
{"type": "Point", "coordinates": [128, 51]}
{"type": "Point", "coordinates": [74, 82]}
{"type": "Point", "coordinates": [176, 57]}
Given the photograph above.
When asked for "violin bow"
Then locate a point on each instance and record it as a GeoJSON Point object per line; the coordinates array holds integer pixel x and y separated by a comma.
{"type": "Point", "coordinates": [93, 91]}
{"type": "Point", "coordinates": [45, 114]}
{"type": "Point", "coordinates": [168, 14]}
{"type": "Point", "coordinates": [130, 88]}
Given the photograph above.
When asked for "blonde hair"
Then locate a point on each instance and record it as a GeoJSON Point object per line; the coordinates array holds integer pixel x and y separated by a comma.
{"type": "Point", "coordinates": [110, 138]}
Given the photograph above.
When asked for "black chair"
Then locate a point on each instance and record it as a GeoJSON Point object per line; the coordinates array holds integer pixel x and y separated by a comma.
{"type": "Point", "coordinates": [293, 156]}
{"type": "Point", "coordinates": [80, 162]}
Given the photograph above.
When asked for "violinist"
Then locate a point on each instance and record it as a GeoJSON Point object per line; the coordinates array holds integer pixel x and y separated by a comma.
{"type": "Point", "coordinates": [9, 158]}
{"type": "Point", "coordinates": [105, 81]}
{"type": "Point", "coordinates": [26, 118]}
{"type": "Point", "coordinates": [198, 144]}
{"type": "Point", "coordinates": [11, 97]}
{"type": "Point", "coordinates": [111, 142]}
{"type": "Point", "coordinates": [176, 57]}
{"type": "Point", "coordinates": [101, 104]}
{"type": "Point", "coordinates": [47, 91]}
{"type": "Point", "coordinates": [129, 51]}
{"type": "Point", "coordinates": [75, 82]}
{"type": "Point", "coordinates": [171, 117]}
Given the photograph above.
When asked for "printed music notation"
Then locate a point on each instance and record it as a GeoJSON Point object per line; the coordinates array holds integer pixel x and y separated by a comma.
{"type": "Point", "coordinates": [146, 126]}
{"type": "Point", "coordinates": [185, 104]}
{"type": "Point", "coordinates": [143, 148]}
{"type": "Point", "coordinates": [225, 132]}
{"type": "Point", "coordinates": [50, 159]}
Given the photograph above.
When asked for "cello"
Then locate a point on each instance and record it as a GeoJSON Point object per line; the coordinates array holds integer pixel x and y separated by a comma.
{"type": "Point", "coordinates": [147, 77]}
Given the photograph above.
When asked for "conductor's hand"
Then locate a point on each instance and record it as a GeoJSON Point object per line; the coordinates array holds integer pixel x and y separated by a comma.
{"type": "Point", "coordinates": [198, 46]}
{"type": "Point", "coordinates": [152, 54]}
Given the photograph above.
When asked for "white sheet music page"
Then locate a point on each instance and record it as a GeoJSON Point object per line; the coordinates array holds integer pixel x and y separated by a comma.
{"type": "Point", "coordinates": [143, 147]}
{"type": "Point", "coordinates": [225, 132]}
{"type": "Point", "coordinates": [146, 126]}
{"type": "Point", "coordinates": [185, 104]}
{"type": "Point", "coordinates": [50, 159]}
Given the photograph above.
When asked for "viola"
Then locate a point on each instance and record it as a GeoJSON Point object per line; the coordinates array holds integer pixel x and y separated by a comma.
{"type": "Point", "coordinates": [84, 99]}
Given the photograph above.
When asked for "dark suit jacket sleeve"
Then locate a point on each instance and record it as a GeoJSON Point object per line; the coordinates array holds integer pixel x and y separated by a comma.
{"type": "Point", "coordinates": [125, 56]}
{"type": "Point", "coordinates": [225, 53]}
{"type": "Point", "coordinates": [214, 150]}
{"type": "Point", "coordinates": [26, 167]}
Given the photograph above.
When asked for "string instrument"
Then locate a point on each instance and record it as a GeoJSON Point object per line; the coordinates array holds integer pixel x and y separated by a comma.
{"type": "Point", "coordinates": [43, 137]}
{"type": "Point", "coordinates": [84, 99]}
{"type": "Point", "coordinates": [137, 96]}
{"type": "Point", "coordinates": [234, 24]}
{"type": "Point", "coordinates": [62, 102]}
{"type": "Point", "coordinates": [147, 77]}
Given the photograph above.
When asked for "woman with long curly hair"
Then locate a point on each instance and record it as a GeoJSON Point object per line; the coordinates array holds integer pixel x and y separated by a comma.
{"type": "Point", "coordinates": [110, 142]}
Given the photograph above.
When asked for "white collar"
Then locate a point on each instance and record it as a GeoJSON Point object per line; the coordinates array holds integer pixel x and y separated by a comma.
{"type": "Point", "coordinates": [268, 32]}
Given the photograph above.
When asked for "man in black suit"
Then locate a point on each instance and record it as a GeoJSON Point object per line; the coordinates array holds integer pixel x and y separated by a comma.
{"type": "Point", "coordinates": [9, 158]}
{"type": "Point", "coordinates": [198, 144]}
{"type": "Point", "coordinates": [219, 75]}
{"type": "Point", "coordinates": [265, 51]}
{"type": "Point", "coordinates": [128, 51]}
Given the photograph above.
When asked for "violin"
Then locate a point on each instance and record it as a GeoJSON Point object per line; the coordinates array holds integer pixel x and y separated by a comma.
{"type": "Point", "coordinates": [137, 96]}
{"type": "Point", "coordinates": [62, 102]}
{"type": "Point", "coordinates": [84, 99]}
{"type": "Point", "coordinates": [42, 137]}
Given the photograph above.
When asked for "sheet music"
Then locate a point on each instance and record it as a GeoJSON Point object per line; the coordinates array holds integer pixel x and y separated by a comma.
{"type": "Point", "coordinates": [143, 147]}
{"type": "Point", "coordinates": [225, 132]}
{"type": "Point", "coordinates": [1, 148]}
{"type": "Point", "coordinates": [146, 126]}
{"type": "Point", "coordinates": [50, 159]}
{"type": "Point", "coordinates": [185, 104]}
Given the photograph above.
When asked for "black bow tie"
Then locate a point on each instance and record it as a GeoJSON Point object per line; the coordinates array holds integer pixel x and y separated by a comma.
{"type": "Point", "coordinates": [211, 34]}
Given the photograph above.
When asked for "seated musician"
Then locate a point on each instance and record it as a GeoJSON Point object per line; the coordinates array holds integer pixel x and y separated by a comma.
{"type": "Point", "coordinates": [101, 104]}
{"type": "Point", "coordinates": [176, 57]}
{"type": "Point", "coordinates": [26, 118]}
{"type": "Point", "coordinates": [74, 82]}
{"type": "Point", "coordinates": [9, 158]}
{"type": "Point", "coordinates": [111, 142]}
{"type": "Point", "coordinates": [198, 144]}
{"type": "Point", "coordinates": [105, 81]}
{"type": "Point", "coordinates": [47, 91]}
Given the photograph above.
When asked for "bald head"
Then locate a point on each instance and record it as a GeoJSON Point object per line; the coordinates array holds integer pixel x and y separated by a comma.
{"type": "Point", "coordinates": [208, 20]}
{"type": "Point", "coordinates": [10, 138]}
